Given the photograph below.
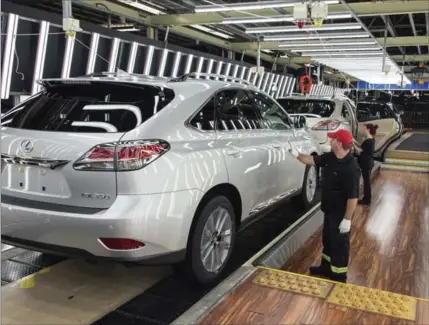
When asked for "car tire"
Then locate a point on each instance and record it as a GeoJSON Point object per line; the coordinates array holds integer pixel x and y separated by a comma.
{"type": "Point", "coordinates": [309, 186]}
{"type": "Point", "coordinates": [194, 268]}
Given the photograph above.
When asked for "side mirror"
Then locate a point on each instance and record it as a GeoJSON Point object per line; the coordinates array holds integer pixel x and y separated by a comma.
{"type": "Point", "coordinates": [299, 122]}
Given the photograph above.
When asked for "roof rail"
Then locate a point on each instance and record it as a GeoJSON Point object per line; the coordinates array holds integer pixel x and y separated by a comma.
{"type": "Point", "coordinates": [122, 74]}
{"type": "Point", "coordinates": [212, 75]}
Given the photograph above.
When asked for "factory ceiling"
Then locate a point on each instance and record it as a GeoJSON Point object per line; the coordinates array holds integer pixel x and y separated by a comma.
{"type": "Point", "coordinates": [239, 26]}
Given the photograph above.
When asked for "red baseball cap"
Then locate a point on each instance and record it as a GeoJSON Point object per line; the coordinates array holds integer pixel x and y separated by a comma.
{"type": "Point", "coordinates": [342, 135]}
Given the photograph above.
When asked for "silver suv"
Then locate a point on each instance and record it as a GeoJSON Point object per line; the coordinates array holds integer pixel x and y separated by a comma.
{"type": "Point", "coordinates": [136, 168]}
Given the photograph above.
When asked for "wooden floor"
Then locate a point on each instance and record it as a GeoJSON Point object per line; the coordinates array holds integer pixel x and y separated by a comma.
{"type": "Point", "coordinates": [390, 239]}
{"type": "Point", "coordinates": [389, 251]}
{"type": "Point", "coordinates": [254, 304]}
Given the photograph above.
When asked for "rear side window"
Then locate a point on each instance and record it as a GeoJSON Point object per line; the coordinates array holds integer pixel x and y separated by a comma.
{"type": "Point", "coordinates": [96, 107]}
{"type": "Point", "coordinates": [373, 111]}
{"type": "Point", "coordinates": [316, 107]}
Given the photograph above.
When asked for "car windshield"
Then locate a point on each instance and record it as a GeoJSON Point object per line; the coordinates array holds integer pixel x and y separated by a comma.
{"type": "Point", "coordinates": [322, 108]}
{"type": "Point", "coordinates": [94, 107]}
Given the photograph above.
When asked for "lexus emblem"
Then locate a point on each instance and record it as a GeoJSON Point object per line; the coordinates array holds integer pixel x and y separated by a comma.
{"type": "Point", "coordinates": [27, 146]}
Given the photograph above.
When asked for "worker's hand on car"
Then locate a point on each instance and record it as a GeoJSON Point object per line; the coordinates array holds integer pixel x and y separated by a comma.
{"type": "Point", "coordinates": [345, 226]}
{"type": "Point", "coordinates": [294, 151]}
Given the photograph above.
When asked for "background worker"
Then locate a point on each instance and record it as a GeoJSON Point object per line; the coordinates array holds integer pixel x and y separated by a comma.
{"type": "Point", "coordinates": [340, 192]}
{"type": "Point", "coordinates": [366, 161]}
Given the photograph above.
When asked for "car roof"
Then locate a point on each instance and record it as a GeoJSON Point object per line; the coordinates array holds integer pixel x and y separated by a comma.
{"type": "Point", "coordinates": [193, 82]}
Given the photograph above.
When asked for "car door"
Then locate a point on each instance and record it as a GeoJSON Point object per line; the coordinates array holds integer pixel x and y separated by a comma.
{"type": "Point", "coordinates": [238, 134]}
{"type": "Point", "coordinates": [286, 172]}
{"type": "Point", "coordinates": [380, 115]}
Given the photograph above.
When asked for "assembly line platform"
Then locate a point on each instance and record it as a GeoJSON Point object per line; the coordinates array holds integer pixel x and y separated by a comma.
{"type": "Point", "coordinates": [388, 276]}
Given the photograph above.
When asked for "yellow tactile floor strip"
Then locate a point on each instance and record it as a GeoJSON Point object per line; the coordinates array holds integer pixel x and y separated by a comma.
{"type": "Point", "coordinates": [294, 283]}
{"type": "Point", "coordinates": [374, 301]}
{"type": "Point", "coordinates": [342, 294]}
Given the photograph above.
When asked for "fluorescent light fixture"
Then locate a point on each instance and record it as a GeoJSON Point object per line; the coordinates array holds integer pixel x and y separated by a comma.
{"type": "Point", "coordinates": [142, 6]}
{"type": "Point", "coordinates": [303, 36]}
{"type": "Point", "coordinates": [90, 66]}
{"type": "Point", "coordinates": [68, 56]}
{"type": "Point", "coordinates": [268, 76]}
{"type": "Point", "coordinates": [219, 68]}
{"type": "Point", "coordinates": [326, 44]}
{"type": "Point", "coordinates": [336, 49]}
{"type": "Point", "coordinates": [128, 29]}
{"type": "Point", "coordinates": [209, 67]}
{"type": "Point", "coordinates": [200, 65]}
{"type": "Point", "coordinates": [176, 63]}
{"type": "Point", "coordinates": [40, 56]}
{"type": "Point", "coordinates": [113, 59]}
{"type": "Point", "coordinates": [251, 6]}
{"type": "Point", "coordinates": [366, 68]}
{"type": "Point", "coordinates": [255, 78]}
{"type": "Point", "coordinates": [189, 63]}
{"type": "Point", "coordinates": [235, 71]}
{"type": "Point", "coordinates": [211, 31]}
{"type": "Point", "coordinates": [243, 72]}
{"type": "Point", "coordinates": [228, 69]}
{"type": "Point", "coordinates": [280, 86]}
{"type": "Point", "coordinates": [161, 68]}
{"type": "Point", "coordinates": [148, 62]}
{"type": "Point", "coordinates": [132, 57]}
{"type": "Point", "coordinates": [275, 19]}
{"type": "Point", "coordinates": [8, 55]}
{"type": "Point", "coordinates": [351, 54]}
{"type": "Point", "coordinates": [287, 29]}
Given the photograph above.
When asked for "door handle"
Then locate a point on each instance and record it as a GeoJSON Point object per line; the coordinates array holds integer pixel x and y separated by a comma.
{"type": "Point", "coordinates": [277, 145]}
{"type": "Point", "coordinates": [233, 152]}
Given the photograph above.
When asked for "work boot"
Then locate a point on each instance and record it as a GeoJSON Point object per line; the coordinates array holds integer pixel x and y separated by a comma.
{"type": "Point", "coordinates": [320, 271]}
{"type": "Point", "coordinates": [339, 277]}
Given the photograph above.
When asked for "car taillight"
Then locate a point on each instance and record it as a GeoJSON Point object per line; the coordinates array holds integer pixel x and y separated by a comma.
{"type": "Point", "coordinates": [122, 155]}
{"type": "Point", "coordinates": [121, 243]}
{"type": "Point", "coordinates": [326, 125]}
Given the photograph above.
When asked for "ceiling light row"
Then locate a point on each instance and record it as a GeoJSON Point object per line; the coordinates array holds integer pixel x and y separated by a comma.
{"type": "Point", "coordinates": [142, 6]}
{"type": "Point", "coordinates": [314, 36]}
{"type": "Point", "coordinates": [336, 49]}
{"type": "Point", "coordinates": [288, 29]}
{"type": "Point", "coordinates": [252, 6]}
{"type": "Point", "coordinates": [276, 19]}
{"type": "Point", "coordinates": [315, 43]}
{"type": "Point", "coordinates": [212, 31]}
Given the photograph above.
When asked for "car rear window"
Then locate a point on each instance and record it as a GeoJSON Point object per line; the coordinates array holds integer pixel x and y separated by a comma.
{"type": "Point", "coordinates": [317, 107]}
{"type": "Point", "coordinates": [93, 107]}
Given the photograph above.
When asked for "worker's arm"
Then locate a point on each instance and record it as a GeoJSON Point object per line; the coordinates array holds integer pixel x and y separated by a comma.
{"type": "Point", "coordinates": [351, 188]}
{"type": "Point", "coordinates": [351, 207]}
{"type": "Point", "coordinates": [357, 148]}
{"type": "Point", "coordinates": [306, 159]}
{"type": "Point", "coordinates": [309, 159]}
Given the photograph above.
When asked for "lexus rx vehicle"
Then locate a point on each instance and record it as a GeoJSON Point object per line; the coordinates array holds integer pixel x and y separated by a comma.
{"type": "Point", "coordinates": [322, 115]}
{"type": "Point", "coordinates": [147, 170]}
{"type": "Point", "coordinates": [325, 115]}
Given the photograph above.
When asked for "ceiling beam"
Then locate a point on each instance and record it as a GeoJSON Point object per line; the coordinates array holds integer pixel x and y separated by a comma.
{"type": "Point", "coordinates": [413, 27]}
{"type": "Point", "coordinates": [391, 42]}
{"type": "Point", "coordinates": [392, 30]}
{"type": "Point", "coordinates": [368, 8]}
{"type": "Point", "coordinates": [140, 17]}
{"type": "Point", "coordinates": [397, 58]}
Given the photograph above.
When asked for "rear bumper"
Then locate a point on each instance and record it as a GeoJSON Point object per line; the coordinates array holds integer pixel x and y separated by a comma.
{"type": "Point", "coordinates": [161, 221]}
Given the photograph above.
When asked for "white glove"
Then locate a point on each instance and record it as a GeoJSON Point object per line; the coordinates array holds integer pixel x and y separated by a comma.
{"type": "Point", "coordinates": [294, 151]}
{"type": "Point", "coordinates": [345, 226]}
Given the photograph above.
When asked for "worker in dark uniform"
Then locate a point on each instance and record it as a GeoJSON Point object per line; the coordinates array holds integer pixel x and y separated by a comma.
{"type": "Point", "coordinates": [366, 161]}
{"type": "Point", "coordinates": [340, 193]}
